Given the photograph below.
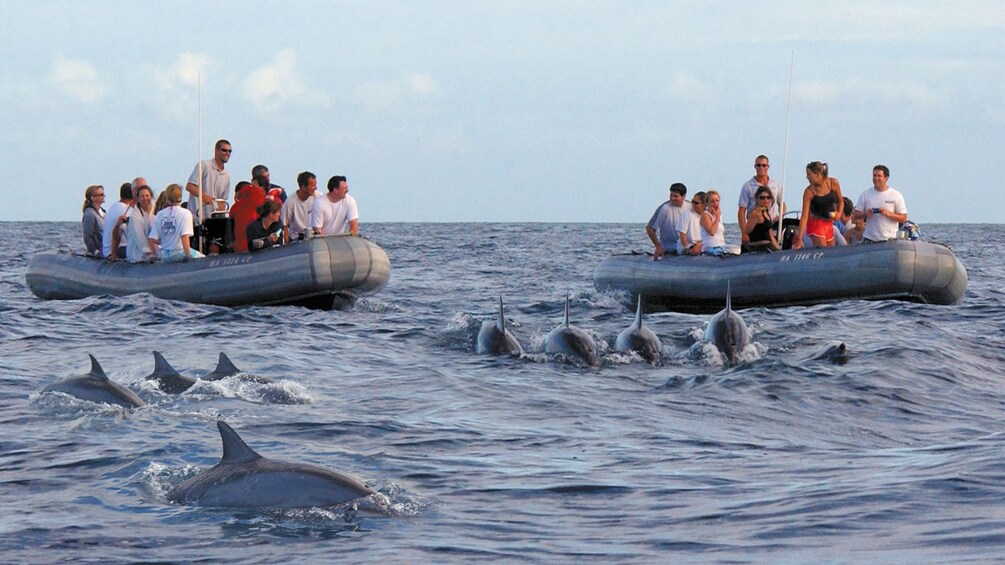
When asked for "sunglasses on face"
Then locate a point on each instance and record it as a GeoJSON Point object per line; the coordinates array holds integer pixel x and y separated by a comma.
{"type": "Point", "coordinates": [759, 165]}
{"type": "Point", "coordinates": [763, 197]}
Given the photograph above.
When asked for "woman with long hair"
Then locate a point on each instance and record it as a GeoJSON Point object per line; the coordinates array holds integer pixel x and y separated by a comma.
{"type": "Point", "coordinates": [93, 222]}
{"type": "Point", "coordinates": [759, 225]}
{"type": "Point", "coordinates": [267, 230]}
{"type": "Point", "coordinates": [822, 203]}
{"type": "Point", "coordinates": [713, 238]}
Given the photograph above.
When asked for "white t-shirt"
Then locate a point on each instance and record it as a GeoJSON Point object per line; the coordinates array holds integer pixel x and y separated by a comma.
{"type": "Point", "coordinates": [296, 214]}
{"type": "Point", "coordinates": [111, 217]}
{"type": "Point", "coordinates": [877, 227]}
{"type": "Point", "coordinates": [134, 234]}
{"type": "Point", "coordinates": [169, 226]}
{"type": "Point", "coordinates": [690, 224]}
{"type": "Point", "coordinates": [748, 195]}
{"type": "Point", "coordinates": [215, 183]}
{"type": "Point", "coordinates": [333, 218]}
{"type": "Point", "coordinates": [664, 221]}
{"type": "Point", "coordinates": [710, 240]}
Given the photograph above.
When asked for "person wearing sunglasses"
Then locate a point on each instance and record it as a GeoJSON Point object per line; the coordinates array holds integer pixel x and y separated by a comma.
{"type": "Point", "coordinates": [93, 221]}
{"type": "Point", "coordinates": [215, 181]}
{"type": "Point", "coordinates": [748, 201]}
{"type": "Point", "coordinates": [689, 227]}
{"type": "Point", "coordinates": [759, 228]}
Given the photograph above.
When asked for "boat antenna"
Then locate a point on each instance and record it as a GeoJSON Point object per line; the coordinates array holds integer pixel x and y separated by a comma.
{"type": "Point", "coordinates": [198, 90]}
{"type": "Point", "coordinates": [785, 146]}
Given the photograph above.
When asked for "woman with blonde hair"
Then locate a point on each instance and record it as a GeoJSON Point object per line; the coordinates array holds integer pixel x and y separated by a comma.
{"type": "Point", "coordinates": [93, 222]}
{"type": "Point", "coordinates": [713, 239]}
{"type": "Point", "coordinates": [822, 204]}
{"type": "Point", "coordinates": [172, 228]}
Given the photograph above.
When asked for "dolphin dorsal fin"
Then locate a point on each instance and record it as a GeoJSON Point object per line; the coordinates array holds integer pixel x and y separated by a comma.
{"type": "Point", "coordinates": [729, 306]}
{"type": "Point", "coordinates": [161, 365]}
{"type": "Point", "coordinates": [501, 322]}
{"type": "Point", "coordinates": [638, 314]}
{"type": "Point", "coordinates": [96, 370]}
{"type": "Point", "coordinates": [234, 448]}
{"type": "Point", "coordinates": [225, 366]}
{"type": "Point", "coordinates": [566, 309]}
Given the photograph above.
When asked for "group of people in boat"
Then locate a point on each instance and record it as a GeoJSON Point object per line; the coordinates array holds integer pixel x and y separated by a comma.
{"type": "Point", "coordinates": [827, 217]}
{"type": "Point", "coordinates": [138, 229]}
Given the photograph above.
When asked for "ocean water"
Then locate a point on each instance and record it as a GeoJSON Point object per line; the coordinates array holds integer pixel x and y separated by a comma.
{"type": "Point", "coordinates": [896, 455]}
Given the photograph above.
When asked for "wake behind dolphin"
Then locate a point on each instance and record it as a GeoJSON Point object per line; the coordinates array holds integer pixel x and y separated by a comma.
{"type": "Point", "coordinates": [495, 339]}
{"type": "Point", "coordinates": [95, 386]}
{"type": "Point", "coordinates": [640, 339]}
{"type": "Point", "coordinates": [727, 331]}
{"type": "Point", "coordinates": [167, 378]}
{"type": "Point", "coordinates": [571, 341]}
{"type": "Point", "coordinates": [245, 479]}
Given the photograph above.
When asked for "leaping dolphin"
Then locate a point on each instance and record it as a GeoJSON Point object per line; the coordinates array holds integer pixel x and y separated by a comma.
{"type": "Point", "coordinates": [571, 341]}
{"type": "Point", "coordinates": [225, 368]}
{"type": "Point", "coordinates": [96, 387]}
{"type": "Point", "coordinates": [495, 339]}
{"type": "Point", "coordinates": [727, 331]}
{"type": "Point", "coordinates": [168, 379]}
{"type": "Point", "coordinates": [640, 339]}
{"type": "Point", "coordinates": [245, 479]}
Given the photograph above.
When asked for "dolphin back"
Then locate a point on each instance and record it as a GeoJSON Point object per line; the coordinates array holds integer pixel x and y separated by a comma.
{"type": "Point", "coordinates": [95, 386]}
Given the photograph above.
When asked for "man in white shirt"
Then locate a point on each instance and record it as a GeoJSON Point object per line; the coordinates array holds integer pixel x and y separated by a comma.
{"type": "Point", "coordinates": [296, 214]}
{"type": "Point", "coordinates": [662, 227]}
{"type": "Point", "coordinates": [215, 182]}
{"type": "Point", "coordinates": [336, 213]}
{"type": "Point", "coordinates": [115, 211]}
{"type": "Point", "coordinates": [748, 196]}
{"type": "Point", "coordinates": [882, 207]}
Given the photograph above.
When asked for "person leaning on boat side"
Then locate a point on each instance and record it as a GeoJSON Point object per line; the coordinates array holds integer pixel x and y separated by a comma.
{"type": "Point", "coordinates": [822, 203]}
{"type": "Point", "coordinates": [689, 227]}
{"type": "Point", "coordinates": [244, 211]}
{"type": "Point", "coordinates": [882, 207]}
{"type": "Point", "coordinates": [215, 181]}
{"type": "Point", "coordinates": [712, 231]}
{"type": "Point", "coordinates": [171, 230]}
{"type": "Point", "coordinates": [115, 214]}
{"type": "Point", "coordinates": [748, 196]}
{"type": "Point", "coordinates": [272, 191]}
{"type": "Point", "coordinates": [137, 227]}
{"type": "Point", "coordinates": [94, 218]}
{"type": "Point", "coordinates": [296, 213]}
{"type": "Point", "coordinates": [267, 230]}
{"type": "Point", "coordinates": [662, 227]}
{"type": "Point", "coordinates": [759, 226]}
{"type": "Point", "coordinates": [336, 213]}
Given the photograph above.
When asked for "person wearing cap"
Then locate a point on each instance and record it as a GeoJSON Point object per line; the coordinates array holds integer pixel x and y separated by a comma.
{"type": "Point", "coordinates": [336, 213]}
{"type": "Point", "coordinates": [662, 227]}
{"type": "Point", "coordinates": [748, 199]}
{"type": "Point", "coordinates": [296, 212]}
{"type": "Point", "coordinates": [275, 192]}
{"type": "Point", "coordinates": [215, 181]}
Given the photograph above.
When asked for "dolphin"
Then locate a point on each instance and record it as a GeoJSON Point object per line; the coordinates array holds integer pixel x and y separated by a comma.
{"type": "Point", "coordinates": [225, 368]}
{"type": "Point", "coordinates": [833, 351]}
{"type": "Point", "coordinates": [640, 340]}
{"type": "Point", "coordinates": [245, 479]}
{"type": "Point", "coordinates": [571, 341]}
{"type": "Point", "coordinates": [727, 331]}
{"type": "Point", "coordinates": [96, 387]}
{"type": "Point", "coordinates": [167, 379]}
{"type": "Point", "coordinates": [495, 339]}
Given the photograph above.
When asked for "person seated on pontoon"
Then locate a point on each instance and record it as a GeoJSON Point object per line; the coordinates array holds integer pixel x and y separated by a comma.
{"type": "Point", "coordinates": [760, 225]}
{"type": "Point", "coordinates": [267, 230]}
{"type": "Point", "coordinates": [172, 229]}
{"type": "Point", "coordinates": [93, 220]}
{"type": "Point", "coordinates": [689, 227]}
{"type": "Point", "coordinates": [712, 232]}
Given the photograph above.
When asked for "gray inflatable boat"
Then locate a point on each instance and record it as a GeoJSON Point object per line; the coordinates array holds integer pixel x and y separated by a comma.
{"type": "Point", "coordinates": [322, 272]}
{"type": "Point", "coordinates": [914, 271]}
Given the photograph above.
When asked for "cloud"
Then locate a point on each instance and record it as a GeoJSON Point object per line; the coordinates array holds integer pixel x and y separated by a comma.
{"type": "Point", "coordinates": [276, 82]}
{"type": "Point", "coordinates": [78, 79]}
{"type": "Point", "coordinates": [819, 93]}
{"type": "Point", "coordinates": [423, 84]}
{"type": "Point", "coordinates": [685, 86]}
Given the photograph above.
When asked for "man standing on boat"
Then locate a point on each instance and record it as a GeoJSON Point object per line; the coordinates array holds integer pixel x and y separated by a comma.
{"type": "Point", "coordinates": [336, 213]}
{"type": "Point", "coordinates": [215, 181]}
{"type": "Point", "coordinates": [882, 207]}
{"type": "Point", "coordinates": [662, 227]}
{"type": "Point", "coordinates": [296, 214]}
{"type": "Point", "coordinates": [748, 199]}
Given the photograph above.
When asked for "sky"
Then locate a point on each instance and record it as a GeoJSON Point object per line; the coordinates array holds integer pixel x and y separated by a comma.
{"type": "Point", "coordinates": [506, 111]}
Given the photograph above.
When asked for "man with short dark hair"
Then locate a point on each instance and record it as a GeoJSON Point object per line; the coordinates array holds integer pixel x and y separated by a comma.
{"type": "Point", "coordinates": [335, 213]}
{"type": "Point", "coordinates": [748, 196]}
{"type": "Point", "coordinates": [272, 191]}
{"type": "Point", "coordinates": [215, 182]}
{"type": "Point", "coordinates": [296, 213]}
{"type": "Point", "coordinates": [115, 212]}
{"type": "Point", "coordinates": [882, 207]}
{"type": "Point", "coordinates": [662, 227]}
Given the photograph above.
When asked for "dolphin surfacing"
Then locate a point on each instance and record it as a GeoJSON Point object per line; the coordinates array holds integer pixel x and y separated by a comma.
{"type": "Point", "coordinates": [225, 368]}
{"type": "Point", "coordinates": [727, 331]}
{"type": "Point", "coordinates": [245, 479]}
{"type": "Point", "coordinates": [95, 386]}
{"type": "Point", "coordinates": [168, 379]}
{"type": "Point", "coordinates": [640, 339]}
{"type": "Point", "coordinates": [495, 339]}
{"type": "Point", "coordinates": [571, 341]}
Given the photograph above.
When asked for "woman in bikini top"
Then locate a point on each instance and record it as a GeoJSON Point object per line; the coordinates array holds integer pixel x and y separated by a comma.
{"type": "Point", "coordinates": [822, 202]}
